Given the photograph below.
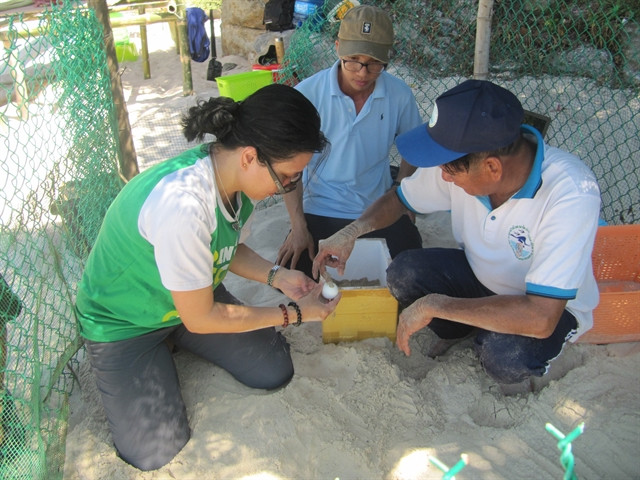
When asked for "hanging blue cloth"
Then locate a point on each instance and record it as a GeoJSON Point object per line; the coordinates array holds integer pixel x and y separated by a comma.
{"type": "Point", "coordinates": [198, 39]}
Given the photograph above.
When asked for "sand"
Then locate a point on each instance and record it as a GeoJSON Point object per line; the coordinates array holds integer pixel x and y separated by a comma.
{"type": "Point", "coordinates": [362, 410]}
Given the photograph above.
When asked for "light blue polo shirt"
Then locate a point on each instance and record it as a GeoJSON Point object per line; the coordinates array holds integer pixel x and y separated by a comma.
{"type": "Point", "coordinates": [538, 242]}
{"type": "Point", "coordinates": [356, 172]}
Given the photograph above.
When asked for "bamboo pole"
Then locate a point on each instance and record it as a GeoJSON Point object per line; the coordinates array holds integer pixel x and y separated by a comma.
{"type": "Point", "coordinates": [483, 40]}
{"type": "Point", "coordinates": [10, 308]}
{"type": "Point", "coordinates": [132, 21]}
{"type": "Point", "coordinates": [144, 45]}
{"type": "Point", "coordinates": [16, 69]}
{"type": "Point", "coordinates": [130, 5]}
{"type": "Point", "coordinates": [185, 56]}
{"type": "Point", "coordinates": [174, 36]}
{"type": "Point", "coordinates": [127, 154]}
{"type": "Point", "coordinates": [142, 19]}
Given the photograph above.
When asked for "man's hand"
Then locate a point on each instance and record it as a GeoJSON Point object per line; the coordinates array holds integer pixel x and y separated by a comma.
{"type": "Point", "coordinates": [496, 313]}
{"type": "Point", "coordinates": [413, 318]}
{"type": "Point", "coordinates": [294, 245]}
{"type": "Point", "coordinates": [335, 250]}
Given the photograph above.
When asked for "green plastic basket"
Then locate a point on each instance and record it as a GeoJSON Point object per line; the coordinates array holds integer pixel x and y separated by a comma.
{"type": "Point", "coordinates": [126, 52]}
{"type": "Point", "coordinates": [240, 85]}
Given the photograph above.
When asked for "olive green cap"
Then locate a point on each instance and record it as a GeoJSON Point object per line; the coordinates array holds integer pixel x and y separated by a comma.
{"type": "Point", "coordinates": [366, 30]}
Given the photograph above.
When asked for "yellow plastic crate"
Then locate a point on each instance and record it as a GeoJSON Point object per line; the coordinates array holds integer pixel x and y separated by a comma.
{"type": "Point", "coordinates": [240, 85]}
{"type": "Point", "coordinates": [363, 311]}
{"type": "Point", "coordinates": [616, 266]}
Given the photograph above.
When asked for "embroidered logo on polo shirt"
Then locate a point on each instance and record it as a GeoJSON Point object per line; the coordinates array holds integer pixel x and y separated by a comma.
{"type": "Point", "coordinates": [520, 241]}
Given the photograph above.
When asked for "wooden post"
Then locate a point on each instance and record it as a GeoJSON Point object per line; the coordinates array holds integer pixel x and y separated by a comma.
{"type": "Point", "coordinates": [174, 36]}
{"type": "Point", "coordinates": [144, 45]}
{"type": "Point", "coordinates": [10, 308]}
{"type": "Point", "coordinates": [185, 55]}
{"type": "Point", "coordinates": [16, 69]}
{"type": "Point", "coordinates": [483, 40]}
{"type": "Point", "coordinates": [141, 19]}
{"type": "Point", "coordinates": [127, 154]}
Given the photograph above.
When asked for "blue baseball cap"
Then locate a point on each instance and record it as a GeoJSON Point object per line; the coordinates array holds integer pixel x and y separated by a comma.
{"type": "Point", "coordinates": [475, 116]}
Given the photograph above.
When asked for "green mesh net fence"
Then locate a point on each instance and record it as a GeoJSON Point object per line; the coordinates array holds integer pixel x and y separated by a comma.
{"type": "Point", "coordinates": [59, 174]}
{"type": "Point", "coordinates": [575, 65]}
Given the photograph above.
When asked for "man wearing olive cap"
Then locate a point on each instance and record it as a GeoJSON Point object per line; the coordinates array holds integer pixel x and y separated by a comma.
{"type": "Point", "coordinates": [363, 109]}
{"type": "Point", "coordinates": [524, 215]}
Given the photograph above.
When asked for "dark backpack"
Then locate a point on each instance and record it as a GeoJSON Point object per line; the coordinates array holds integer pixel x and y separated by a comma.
{"type": "Point", "coordinates": [278, 15]}
{"type": "Point", "coordinates": [198, 39]}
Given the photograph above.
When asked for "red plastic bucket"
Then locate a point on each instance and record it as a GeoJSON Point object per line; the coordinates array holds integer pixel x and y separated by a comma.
{"type": "Point", "coordinates": [274, 67]}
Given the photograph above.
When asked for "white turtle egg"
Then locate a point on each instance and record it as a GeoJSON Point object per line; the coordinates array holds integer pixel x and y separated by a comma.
{"type": "Point", "coordinates": [329, 290]}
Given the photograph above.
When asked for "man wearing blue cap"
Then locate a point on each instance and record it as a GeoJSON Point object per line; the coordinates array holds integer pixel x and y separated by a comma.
{"type": "Point", "coordinates": [524, 215]}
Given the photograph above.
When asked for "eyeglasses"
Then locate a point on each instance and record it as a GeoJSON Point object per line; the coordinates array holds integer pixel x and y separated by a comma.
{"type": "Point", "coordinates": [355, 66]}
{"type": "Point", "coordinates": [282, 189]}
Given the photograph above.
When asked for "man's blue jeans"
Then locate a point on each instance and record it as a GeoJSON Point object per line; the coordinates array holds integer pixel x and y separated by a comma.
{"type": "Point", "coordinates": [506, 358]}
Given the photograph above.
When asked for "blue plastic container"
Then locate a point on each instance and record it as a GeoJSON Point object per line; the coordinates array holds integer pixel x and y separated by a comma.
{"type": "Point", "coordinates": [303, 9]}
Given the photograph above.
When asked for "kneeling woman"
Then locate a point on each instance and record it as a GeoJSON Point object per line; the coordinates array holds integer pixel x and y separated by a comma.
{"type": "Point", "coordinates": [155, 272]}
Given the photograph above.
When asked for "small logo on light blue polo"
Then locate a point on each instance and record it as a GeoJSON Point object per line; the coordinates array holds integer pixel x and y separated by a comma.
{"type": "Point", "coordinates": [520, 241]}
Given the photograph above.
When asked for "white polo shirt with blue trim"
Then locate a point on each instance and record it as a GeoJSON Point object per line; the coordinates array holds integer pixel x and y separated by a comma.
{"type": "Point", "coordinates": [538, 242]}
{"type": "Point", "coordinates": [356, 172]}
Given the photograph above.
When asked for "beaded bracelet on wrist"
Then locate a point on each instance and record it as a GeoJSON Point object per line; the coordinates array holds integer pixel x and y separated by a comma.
{"type": "Point", "coordinates": [285, 315]}
{"type": "Point", "coordinates": [298, 313]}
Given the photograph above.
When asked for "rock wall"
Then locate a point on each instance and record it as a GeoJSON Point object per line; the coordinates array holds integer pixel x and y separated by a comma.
{"type": "Point", "coordinates": [242, 30]}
